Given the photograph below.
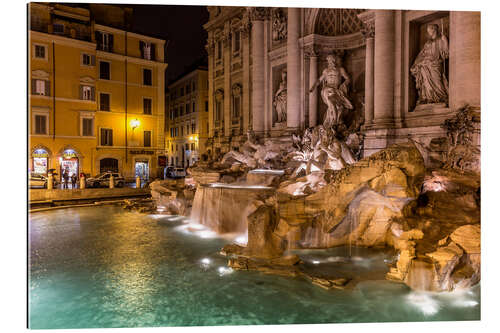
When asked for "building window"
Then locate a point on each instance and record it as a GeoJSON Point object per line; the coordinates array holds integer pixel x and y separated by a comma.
{"type": "Point", "coordinates": [58, 28]}
{"type": "Point", "coordinates": [147, 78]}
{"type": "Point", "coordinates": [176, 131]}
{"type": "Point", "coordinates": [187, 108]}
{"type": "Point", "coordinates": [40, 87]}
{"type": "Point", "coordinates": [147, 50]}
{"type": "Point", "coordinates": [192, 146]}
{"type": "Point", "coordinates": [182, 92]}
{"type": "Point", "coordinates": [87, 127]}
{"type": "Point", "coordinates": [194, 86]}
{"type": "Point", "coordinates": [194, 107]}
{"type": "Point", "coordinates": [218, 55]}
{"type": "Point", "coordinates": [206, 106]}
{"type": "Point", "coordinates": [147, 105]}
{"type": "Point", "coordinates": [187, 128]}
{"type": "Point", "coordinates": [40, 124]}
{"type": "Point", "coordinates": [88, 59]}
{"type": "Point", "coordinates": [104, 72]}
{"type": "Point", "coordinates": [147, 138]}
{"type": "Point", "coordinates": [236, 106]}
{"type": "Point", "coordinates": [188, 88]}
{"type": "Point", "coordinates": [193, 127]}
{"type": "Point", "coordinates": [40, 51]}
{"type": "Point", "coordinates": [218, 110]}
{"type": "Point", "coordinates": [182, 130]}
{"type": "Point", "coordinates": [236, 43]}
{"type": "Point", "coordinates": [104, 101]}
{"type": "Point", "coordinates": [87, 93]}
{"type": "Point", "coordinates": [104, 41]}
{"type": "Point", "coordinates": [106, 137]}
{"type": "Point", "coordinates": [181, 110]}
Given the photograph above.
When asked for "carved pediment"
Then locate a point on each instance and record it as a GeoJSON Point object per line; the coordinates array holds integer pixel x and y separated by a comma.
{"type": "Point", "coordinates": [40, 74]}
{"type": "Point", "coordinates": [87, 80]}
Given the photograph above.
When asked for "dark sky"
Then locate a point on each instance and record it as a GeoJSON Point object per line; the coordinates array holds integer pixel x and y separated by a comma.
{"type": "Point", "coordinates": [180, 26]}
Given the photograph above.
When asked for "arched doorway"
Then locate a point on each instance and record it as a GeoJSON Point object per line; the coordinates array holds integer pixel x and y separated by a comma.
{"type": "Point", "coordinates": [108, 164]}
{"type": "Point", "coordinates": [69, 163]}
{"type": "Point", "coordinates": [40, 161]}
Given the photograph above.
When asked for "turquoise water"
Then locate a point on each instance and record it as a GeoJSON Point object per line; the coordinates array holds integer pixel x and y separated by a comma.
{"type": "Point", "coordinates": [104, 267]}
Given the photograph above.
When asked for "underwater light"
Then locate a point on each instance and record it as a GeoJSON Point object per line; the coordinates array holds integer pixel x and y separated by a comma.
{"type": "Point", "coordinates": [206, 261]}
{"type": "Point", "coordinates": [225, 270]}
{"type": "Point", "coordinates": [316, 262]}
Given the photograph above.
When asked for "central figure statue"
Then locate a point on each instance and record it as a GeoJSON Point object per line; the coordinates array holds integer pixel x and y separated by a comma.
{"type": "Point", "coordinates": [334, 92]}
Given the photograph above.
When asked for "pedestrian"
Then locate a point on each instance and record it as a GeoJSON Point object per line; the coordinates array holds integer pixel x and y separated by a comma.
{"type": "Point", "coordinates": [73, 180]}
{"type": "Point", "coordinates": [66, 178]}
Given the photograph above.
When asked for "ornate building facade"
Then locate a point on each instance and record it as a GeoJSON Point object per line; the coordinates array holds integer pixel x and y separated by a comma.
{"type": "Point", "coordinates": [96, 99]}
{"type": "Point", "coordinates": [264, 64]}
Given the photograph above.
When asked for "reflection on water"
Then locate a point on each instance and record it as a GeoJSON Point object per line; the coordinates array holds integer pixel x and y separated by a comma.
{"type": "Point", "coordinates": [104, 267]}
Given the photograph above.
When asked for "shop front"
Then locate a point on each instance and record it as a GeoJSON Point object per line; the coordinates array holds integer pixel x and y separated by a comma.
{"type": "Point", "coordinates": [69, 163]}
{"type": "Point", "coordinates": [40, 161]}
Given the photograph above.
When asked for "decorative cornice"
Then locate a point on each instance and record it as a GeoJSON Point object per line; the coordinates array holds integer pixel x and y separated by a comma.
{"type": "Point", "coordinates": [259, 13]}
{"type": "Point", "coordinates": [368, 19]}
{"type": "Point", "coordinates": [310, 51]}
{"type": "Point", "coordinates": [327, 44]}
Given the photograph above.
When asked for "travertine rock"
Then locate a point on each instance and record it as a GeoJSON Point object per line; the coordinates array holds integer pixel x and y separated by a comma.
{"type": "Point", "coordinates": [468, 237]}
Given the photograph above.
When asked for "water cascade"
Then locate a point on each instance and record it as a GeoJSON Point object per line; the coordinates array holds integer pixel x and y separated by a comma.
{"type": "Point", "coordinates": [224, 207]}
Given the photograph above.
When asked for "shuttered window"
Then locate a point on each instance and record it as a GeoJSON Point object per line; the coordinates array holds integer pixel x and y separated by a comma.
{"type": "Point", "coordinates": [88, 60]}
{"type": "Point", "coordinates": [148, 50]}
{"type": "Point", "coordinates": [106, 137]}
{"type": "Point", "coordinates": [40, 87]}
{"type": "Point", "coordinates": [87, 127]}
{"type": "Point", "coordinates": [147, 105]}
{"type": "Point", "coordinates": [40, 124]}
{"type": "Point", "coordinates": [147, 78]}
{"type": "Point", "coordinates": [104, 72]}
{"type": "Point", "coordinates": [104, 41]}
{"type": "Point", "coordinates": [147, 138]}
{"type": "Point", "coordinates": [104, 102]}
{"type": "Point", "coordinates": [40, 51]}
{"type": "Point", "coordinates": [87, 93]}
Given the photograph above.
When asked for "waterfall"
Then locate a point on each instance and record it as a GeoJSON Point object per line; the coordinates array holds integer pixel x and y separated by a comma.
{"type": "Point", "coordinates": [420, 276]}
{"type": "Point", "coordinates": [225, 207]}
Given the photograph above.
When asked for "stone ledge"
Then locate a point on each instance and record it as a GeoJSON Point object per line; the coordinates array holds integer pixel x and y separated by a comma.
{"type": "Point", "coordinates": [39, 195]}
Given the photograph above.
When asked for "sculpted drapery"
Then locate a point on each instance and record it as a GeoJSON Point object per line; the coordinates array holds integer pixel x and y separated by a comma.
{"type": "Point", "coordinates": [428, 69]}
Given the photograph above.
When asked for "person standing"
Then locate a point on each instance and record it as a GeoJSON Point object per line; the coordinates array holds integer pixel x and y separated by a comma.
{"type": "Point", "coordinates": [73, 180]}
{"type": "Point", "coordinates": [65, 178]}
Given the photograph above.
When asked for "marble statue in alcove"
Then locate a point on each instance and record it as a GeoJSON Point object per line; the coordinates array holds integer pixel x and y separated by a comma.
{"type": "Point", "coordinates": [428, 68]}
{"type": "Point", "coordinates": [280, 99]}
{"type": "Point", "coordinates": [335, 81]}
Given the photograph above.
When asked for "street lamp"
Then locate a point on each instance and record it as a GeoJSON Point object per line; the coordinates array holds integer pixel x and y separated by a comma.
{"type": "Point", "coordinates": [134, 123]}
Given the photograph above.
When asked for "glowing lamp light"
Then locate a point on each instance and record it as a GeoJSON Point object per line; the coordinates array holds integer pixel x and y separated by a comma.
{"type": "Point", "coordinates": [135, 123]}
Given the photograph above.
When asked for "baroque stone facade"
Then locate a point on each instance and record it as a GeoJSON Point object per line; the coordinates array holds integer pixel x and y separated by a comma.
{"type": "Point", "coordinates": [378, 50]}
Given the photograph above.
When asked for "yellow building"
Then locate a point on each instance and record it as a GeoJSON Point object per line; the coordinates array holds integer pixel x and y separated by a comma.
{"type": "Point", "coordinates": [96, 98]}
{"type": "Point", "coordinates": [187, 125]}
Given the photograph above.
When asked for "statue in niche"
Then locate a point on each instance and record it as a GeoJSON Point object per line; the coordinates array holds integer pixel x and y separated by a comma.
{"type": "Point", "coordinates": [279, 25]}
{"type": "Point", "coordinates": [428, 68]}
{"type": "Point", "coordinates": [335, 81]}
{"type": "Point", "coordinates": [279, 101]}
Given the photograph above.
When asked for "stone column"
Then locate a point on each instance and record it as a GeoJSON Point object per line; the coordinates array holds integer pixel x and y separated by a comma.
{"type": "Point", "coordinates": [245, 43]}
{"type": "Point", "coordinates": [293, 69]}
{"type": "Point", "coordinates": [210, 49]}
{"type": "Point", "coordinates": [226, 45]}
{"type": "Point", "coordinates": [313, 96]}
{"type": "Point", "coordinates": [368, 30]}
{"type": "Point", "coordinates": [369, 81]}
{"type": "Point", "coordinates": [258, 15]}
{"type": "Point", "coordinates": [465, 59]}
{"type": "Point", "coordinates": [384, 68]}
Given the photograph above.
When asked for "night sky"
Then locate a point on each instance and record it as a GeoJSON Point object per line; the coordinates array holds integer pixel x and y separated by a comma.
{"type": "Point", "coordinates": [180, 26]}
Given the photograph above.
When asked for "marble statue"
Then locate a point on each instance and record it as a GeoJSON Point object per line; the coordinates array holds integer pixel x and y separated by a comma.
{"type": "Point", "coordinates": [335, 81]}
{"type": "Point", "coordinates": [279, 25]}
{"type": "Point", "coordinates": [279, 102]}
{"type": "Point", "coordinates": [254, 154]}
{"type": "Point", "coordinates": [428, 68]}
